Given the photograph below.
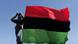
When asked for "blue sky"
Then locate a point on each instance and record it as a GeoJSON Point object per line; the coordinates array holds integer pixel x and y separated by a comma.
{"type": "Point", "coordinates": [9, 8]}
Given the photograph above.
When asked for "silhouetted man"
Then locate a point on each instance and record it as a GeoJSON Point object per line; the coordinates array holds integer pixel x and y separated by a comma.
{"type": "Point", "coordinates": [18, 23]}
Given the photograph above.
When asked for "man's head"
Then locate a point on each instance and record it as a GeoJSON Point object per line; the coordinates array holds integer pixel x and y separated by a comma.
{"type": "Point", "coordinates": [19, 14]}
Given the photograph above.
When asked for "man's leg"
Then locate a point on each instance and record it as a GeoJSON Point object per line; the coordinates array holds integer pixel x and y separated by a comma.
{"type": "Point", "coordinates": [18, 40]}
{"type": "Point", "coordinates": [17, 37]}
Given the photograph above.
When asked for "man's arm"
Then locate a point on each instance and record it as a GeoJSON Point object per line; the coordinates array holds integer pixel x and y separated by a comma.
{"type": "Point", "coordinates": [13, 18]}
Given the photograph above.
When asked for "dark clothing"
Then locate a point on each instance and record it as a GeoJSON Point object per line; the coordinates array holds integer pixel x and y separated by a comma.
{"type": "Point", "coordinates": [18, 26]}
{"type": "Point", "coordinates": [18, 40]}
{"type": "Point", "coordinates": [18, 23]}
{"type": "Point", "coordinates": [17, 29]}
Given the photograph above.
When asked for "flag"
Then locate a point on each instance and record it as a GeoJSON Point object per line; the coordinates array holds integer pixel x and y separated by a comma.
{"type": "Point", "coordinates": [45, 25]}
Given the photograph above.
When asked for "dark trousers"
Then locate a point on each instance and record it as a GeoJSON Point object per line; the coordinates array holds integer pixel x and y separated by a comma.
{"type": "Point", "coordinates": [18, 40]}
{"type": "Point", "coordinates": [17, 37]}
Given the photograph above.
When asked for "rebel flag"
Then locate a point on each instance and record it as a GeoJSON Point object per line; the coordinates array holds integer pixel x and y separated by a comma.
{"type": "Point", "coordinates": [44, 25]}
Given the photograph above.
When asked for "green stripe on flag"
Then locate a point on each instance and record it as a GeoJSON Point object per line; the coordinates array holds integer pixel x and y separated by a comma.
{"type": "Point", "coordinates": [34, 35]}
{"type": "Point", "coordinates": [43, 36]}
{"type": "Point", "coordinates": [57, 37]}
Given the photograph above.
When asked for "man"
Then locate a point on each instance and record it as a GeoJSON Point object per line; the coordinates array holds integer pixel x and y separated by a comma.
{"type": "Point", "coordinates": [18, 23]}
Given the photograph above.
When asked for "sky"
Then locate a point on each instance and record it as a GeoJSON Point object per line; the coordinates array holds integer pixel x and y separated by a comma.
{"type": "Point", "coordinates": [8, 8]}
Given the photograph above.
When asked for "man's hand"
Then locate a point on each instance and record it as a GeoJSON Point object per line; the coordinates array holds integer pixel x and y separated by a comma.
{"type": "Point", "coordinates": [16, 14]}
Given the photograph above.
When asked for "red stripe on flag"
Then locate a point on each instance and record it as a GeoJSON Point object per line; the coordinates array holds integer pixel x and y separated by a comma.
{"type": "Point", "coordinates": [45, 12]}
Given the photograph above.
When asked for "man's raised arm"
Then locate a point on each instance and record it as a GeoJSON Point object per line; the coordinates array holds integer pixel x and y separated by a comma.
{"type": "Point", "coordinates": [13, 18]}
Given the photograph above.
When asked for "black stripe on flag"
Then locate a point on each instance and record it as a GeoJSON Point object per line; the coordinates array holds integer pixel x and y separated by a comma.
{"type": "Point", "coordinates": [46, 24]}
